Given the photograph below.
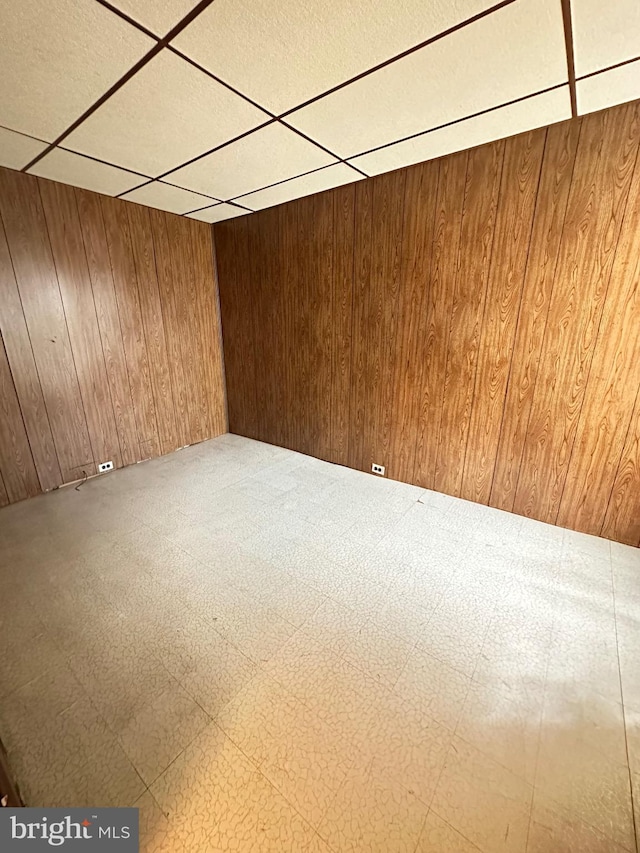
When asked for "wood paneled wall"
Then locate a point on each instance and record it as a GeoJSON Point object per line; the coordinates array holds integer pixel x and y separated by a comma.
{"type": "Point", "coordinates": [472, 323]}
{"type": "Point", "coordinates": [110, 345]}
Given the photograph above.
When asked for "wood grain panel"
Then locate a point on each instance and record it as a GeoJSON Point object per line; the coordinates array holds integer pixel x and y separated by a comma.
{"type": "Point", "coordinates": [90, 288]}
{"type": "Point", "coordinates": [622, 518]}
{"type": "Point", "coordinates": [26, 230]}
{"type": "Point", "coordinates": [4, 497]}
{"type": "Point", "coordinates": [19, 475]}
{"type": "Point", "coordinates": [615, 368]}
{"type": "Point", "coordinates": [263, 240]}
{"type": "Point", "coordinates": [232, 254]}
{"type": "Point", "coordinates": [206, 279]}
{"type": "Point", "coordinates": [186, 319]}
{"type": "Point", "coordinates": [65, 234]}
{"type": "Point", "coordinates": [603, 169]}
{"type": "Point", "coordinates": [385, 286]}
{"type": "Point", "coordinates": [153, 324]}
{"type": "Point", "coordinates": [448, 200]}
{"type": "Point", "coordinates": [104, 296]}
{"type": "Point", "coordinates": [343, 215]}
{"type": "Point", "coordinates": [516, 204]}
{"type": "Point", "coordinates": [25, 374]}
{"type": "Point", "coordinates": [478, 218]}
{"type": "Point", "coordinates": [553, 193]}
{"type": "Point", "coordinates": [125, 282]}
{"type": "Point", "coordinates": [414, 341]}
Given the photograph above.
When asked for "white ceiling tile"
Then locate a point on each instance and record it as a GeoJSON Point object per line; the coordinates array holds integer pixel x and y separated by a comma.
{"type": "Point", "coordinates": [168, 113]}
{"type": "Point", "coordinates": [525, 115]}
{"type": "Point", "coordinates": [271, 154]}
{"type": "Point", "coordinates": [516, 51]}
{"type": "Point", "coordinates": [315, 182]}
{"type": "Point", "coordinates": [158, 16]}
{"type": "Point", "coordinates": [609, 88]}
{"type": "Point", "coordinates": [58, 58]}
{"type": "Point", "coordinates": [218, 213]}
{"type": "Point", "coordinates": [69, 168]}
{"type": "Point", "coordinates": [283, 53]}
{"type": "Point", "coordinates": [16, 150]}
{"type": "Point", "coordinates": [604, 33]}
{"type": "Point", "coordinates": [167, 197]}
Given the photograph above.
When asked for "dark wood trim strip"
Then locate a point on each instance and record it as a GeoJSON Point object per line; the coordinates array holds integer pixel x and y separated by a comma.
{"type": "Point", "coordinates": [209, 206]}
{"type": "Point", "coordinates": [609, 68]}
{"type": "Point", "coordinates": [104, 162]}
{"type": "Point", "coordinates": [460, 120]}
{"type": "Point", "coordinates": [128, 19]}
{"type": "Point", "coordinates": [202, 5]}
{"type": "Point", "coordinates": [432, 40]}
{"type": "Point", "coordinates": [216, 148]}
{"type": "Point", "coordinates": [571, 69]}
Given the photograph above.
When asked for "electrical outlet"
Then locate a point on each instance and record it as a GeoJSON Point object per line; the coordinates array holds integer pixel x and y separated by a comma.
{"type": "Point", "coordinates": [378, 469]}
{"type": "Point", "coordinates": [105, 466]}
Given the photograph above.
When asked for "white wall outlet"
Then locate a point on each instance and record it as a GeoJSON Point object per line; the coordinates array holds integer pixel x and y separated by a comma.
{"type": "Point", "coordinates": [378, 469]}
{"type": "Point", "coordinates": [105, 466]}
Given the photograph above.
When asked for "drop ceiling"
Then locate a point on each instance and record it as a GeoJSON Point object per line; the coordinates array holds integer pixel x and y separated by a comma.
{"type": "Point", "coordinates": [215, 108]}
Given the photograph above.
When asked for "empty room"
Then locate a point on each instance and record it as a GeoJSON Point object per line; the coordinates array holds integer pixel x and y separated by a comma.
{"type": "Point", "coordinates": [320, 426]}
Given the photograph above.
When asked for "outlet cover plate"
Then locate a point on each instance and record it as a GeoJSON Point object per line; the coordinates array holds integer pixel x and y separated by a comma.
{"type": "Point", "coordinates": [377, 469]}
{"type": "Point", "coordinates": [105, 466]}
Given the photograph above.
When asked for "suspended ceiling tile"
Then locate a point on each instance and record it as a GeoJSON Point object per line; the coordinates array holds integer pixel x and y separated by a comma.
{"type": "Point", "coordinates": [58, 58]}
{"type": "Point", "coordinates": [218, 213]}
{"type": "Point", "coordinates": [506, 121]}
{"type": "Point", "coordinates": [167, 197]}
{"type": "Point", "coordinates": [168, 113]}
{"type": "Point", "coordinates": [158, 16]}
{"type": "Point", "coordinates": [271, 154]}
{"type": "Point", "coordinates": [315, 182]}
{"type": "Point", "coordinates": [609, 88]}
{"type": "Point", "coordinates": [79, 171]}
{"type": "Point", "coordinates": [518, 50]}
{"type": "Point", "coordinates": [604, 33]}
{"type": "Point", "coordinates": [283, 53]}
{"type": "Point", "coordinates": [16, 149]}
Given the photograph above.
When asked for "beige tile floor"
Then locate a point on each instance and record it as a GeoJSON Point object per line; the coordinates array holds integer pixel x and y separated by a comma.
{"type": "Point", "coordinates": [265, 652]}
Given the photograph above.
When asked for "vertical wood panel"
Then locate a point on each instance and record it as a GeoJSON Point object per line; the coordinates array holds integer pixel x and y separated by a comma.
{"type": "Point", "coordinates": [16, 462]}
{"type": "Point", "coordinates": [25, 374]}
{"type": "Point", "coordinates": [153, 324]}
{"type": "Point", "coordinates": [86, 373]}
{"type": "Point", "coordinates": [389, 197]}
{"type": "Point", "coordinates": [320, 284]}
{"type": "Point", "coordinates": [615, 368]}
{"type": "Point", "coordinates": [28, 240]}
{"type": "Point", "coordinates": [206, 279]}
{"type": "Point", "coordinates": [187, 326]}
{"type": "Point", "coordinates": [61, 214]}
{"type": "Point", "coordinates": [343, 215]}
{"type": "Point", "coordinates": [553, 194]}
{"type": "Point", "coordinates": [622, 519]}
{"type": "Point", "coordinates": [362, 326]}
{"type": "Point", "coordinates": [474, 257]}
{"type": "Point", "coordinates": [104, 296]}
{"type": "Point", "coordinates": [232, 253]}
{"type": "Point", "coordinates": [126, 287]}
{"type": "Point", "coordinates": [518, 190]}
{"type": "Point", "coordinates": [413, 333]}
{"type": "Point", "coordinates": [174, 324]}
{"type": "Point", "coordinates": [602, 175]}
{"type": "Point", "coordinates": [449, 201]}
